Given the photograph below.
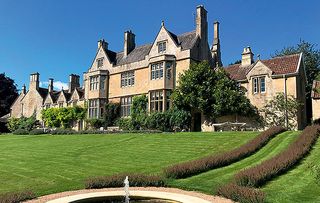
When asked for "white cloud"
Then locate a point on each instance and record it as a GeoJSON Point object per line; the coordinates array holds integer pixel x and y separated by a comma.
{"type": "Point", "coordinates": [57, 85]}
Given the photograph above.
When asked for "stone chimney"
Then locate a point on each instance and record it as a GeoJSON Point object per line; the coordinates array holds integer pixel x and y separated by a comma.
{"type": "Point", "coordinates": [23, 90]}
{"type": "Point", "coordinates": [247, 57]}
{"type": "Point", "coordinates": [50, 85]}
{"type": "Point", "coordinates": [129, 42]}
{"type": "Point", "coordinates": [102, 43]}
{"type": "Point", "coordinates": [215, 49]}
{"type": "Point", "coordinates": [74, 82]}
{"type": "Point", "coordinates": [202, 32]}
{"type": "Point", "coordinates": [34, 81]}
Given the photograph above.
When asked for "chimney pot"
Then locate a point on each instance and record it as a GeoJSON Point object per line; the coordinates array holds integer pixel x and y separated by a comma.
{"type": "Point", "coordinates": [129, 42]}
{"type": "Point", "coordinates": [247, 56]}
{"type": "Point", "coordinates": [50, 85]}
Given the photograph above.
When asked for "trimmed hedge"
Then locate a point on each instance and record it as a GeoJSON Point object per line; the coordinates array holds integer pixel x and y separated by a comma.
{"type": "Point", "coordinates": [201, 165]}
{"type": "Point", "coordinates": [241, 194]}
{"type": "Point", "coordinates": [260, 174]}
{"type": "Point", "coordinates": [136, 180]}
{"type": "Point", "coordinates": [20, 132]}
{"type": "Point", "coordinates": [16, 197]}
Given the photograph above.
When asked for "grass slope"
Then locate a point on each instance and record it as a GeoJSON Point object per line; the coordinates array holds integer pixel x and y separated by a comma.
{"type": "Point", "coordinates": [299, 184]}
{"type": "Point", "coordinates": [211, 180]}
{"type": "Point", "coordinates": [48, 164]}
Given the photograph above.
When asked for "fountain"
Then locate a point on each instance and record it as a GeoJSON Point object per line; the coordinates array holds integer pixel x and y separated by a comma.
{"type": "Point", "coordinates": [126, 189]}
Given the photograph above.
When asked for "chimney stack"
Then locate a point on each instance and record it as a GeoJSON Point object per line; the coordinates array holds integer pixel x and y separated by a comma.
{"type": "Point", "coordinates": [202, 32]}
{"type": "Point", "coordinates": [215, 49]}
{"type": "Point", "coordinates": [74, 82]}
{"type": "Point", "coordinates": [23, 90]}
{"type": "Point", "coordinates": [50, 85]}
{"type": "Point", "coordinates": [129, 42]}
{"type": "Point", "coordinates": [247, 57]}
{"type": "Point", "coordinates": [102, 43]}
{"type": "Point", "coordinates": [34, 81]}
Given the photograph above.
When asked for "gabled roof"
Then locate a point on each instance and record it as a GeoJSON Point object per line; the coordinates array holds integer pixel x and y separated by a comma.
{"type": "Point", "coordinates": [315, 94]}
{"type": "Point", "coordinates": [67, 95]}
{"type": "Point", "coordinates": [283, 65]}
{"type": "Point", "coordinates": [43, 92]}
{"type": "Point", "coordinates": [185, 40]}
{"type": "Point", "coordinates": [278, 65]}
{"type": "Point", "coordinates": [80, 92]}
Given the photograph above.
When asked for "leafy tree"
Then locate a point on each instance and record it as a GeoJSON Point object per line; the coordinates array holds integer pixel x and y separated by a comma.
{"type": "Point", "coordinates": [139, 111]}
{"type": "Point", "coordinates": [111, 114]}
{"type": "Point", "coordinates": [281, 111]}
{"type": "Point", "coordinates": [312, 66]}
{"type": "Point", "coordinates": [212, 92]}
{"type": "Point", "coordinates": [8, 93]}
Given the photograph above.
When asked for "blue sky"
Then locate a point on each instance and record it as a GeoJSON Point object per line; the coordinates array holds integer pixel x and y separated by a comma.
{"type": "Point", "coordinates": [59, 37]}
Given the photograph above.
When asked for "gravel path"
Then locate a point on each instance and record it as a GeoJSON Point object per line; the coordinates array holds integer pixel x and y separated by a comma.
{"type": "Point", "coordinates": [210, 198]}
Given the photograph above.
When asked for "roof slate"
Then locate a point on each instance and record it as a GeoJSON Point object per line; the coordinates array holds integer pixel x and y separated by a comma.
{"type": "Point", "coordinates": [279, 65]}
{"type": "Point", "coordinates": [185, 40]}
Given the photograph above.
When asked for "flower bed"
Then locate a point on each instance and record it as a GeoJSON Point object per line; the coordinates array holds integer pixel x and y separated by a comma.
{"type": "Point", "coordinates": [201, 165]}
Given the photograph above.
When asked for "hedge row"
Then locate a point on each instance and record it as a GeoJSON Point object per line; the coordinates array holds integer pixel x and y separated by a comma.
{"type": "Point", "coordinates": [242, 188]}
{"type": "Point", "coordinates": [136, 180]}
{"type": "Point", "coordinates": [16, 197]}
{"type": "Point", "coordinates": [61, 131]}
{"type": "Point", "coordinates": [198, 166]}
{"type": "Point", "coordinates": [260, 174]}
{"type": "Point", "coordinates": [241, 194]}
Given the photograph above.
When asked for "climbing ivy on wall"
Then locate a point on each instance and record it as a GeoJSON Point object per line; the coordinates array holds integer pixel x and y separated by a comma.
{"type": "Point", "coordinates": [62, 117]}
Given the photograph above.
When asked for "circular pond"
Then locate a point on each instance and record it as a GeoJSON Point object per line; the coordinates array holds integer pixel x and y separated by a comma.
{"type": "Point", "coordinates": [118, 199]}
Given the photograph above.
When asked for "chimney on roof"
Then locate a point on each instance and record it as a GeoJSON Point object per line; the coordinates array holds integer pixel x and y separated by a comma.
{"type": "Point", "coordinates": [74, 82]}
{"type": "Point", "coordinates": [34, 81]}
{"type": "Point", "coordinates": [247, 57]}
{"type": "Point", "coordinates": [215, 49]}
{"type": "Point", "coordinates": [202, 31]}
{"type": "Point", "coordinates": [23, 90]}
{"type": "Point", "coordinates": [102, 43]}
{"type": "Point", "coordinates": [129, 42]}
{"type": "Point", "coordinates": [50, 85]}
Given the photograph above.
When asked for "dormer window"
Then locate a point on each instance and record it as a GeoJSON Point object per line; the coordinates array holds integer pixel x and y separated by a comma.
{"type": "Point", "coordinates": [162, 47]}
{"type": "Point", "coordinates": [100, 62]}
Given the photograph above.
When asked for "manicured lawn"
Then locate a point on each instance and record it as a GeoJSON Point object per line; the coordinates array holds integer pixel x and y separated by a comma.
{"type": "Point", "coordinates": [47, 164]}
{"type": "Point", "coordinates": [208, 182]}
{"type": "Point", "coordinates": [299, 184]}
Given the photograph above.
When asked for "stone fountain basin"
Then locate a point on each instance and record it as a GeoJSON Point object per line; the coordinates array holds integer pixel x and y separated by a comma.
{"type": "Point", "coordinates": [183, 198]}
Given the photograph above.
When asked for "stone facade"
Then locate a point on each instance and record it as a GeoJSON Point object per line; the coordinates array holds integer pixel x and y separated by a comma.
{"type": "Point", "coordinates": [263, 79]}
{"type": "Point", "coordinates": [151, 69]}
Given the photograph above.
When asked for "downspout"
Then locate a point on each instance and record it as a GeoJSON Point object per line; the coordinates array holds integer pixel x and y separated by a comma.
{"type": "Point", "coordinates": [286, 101]}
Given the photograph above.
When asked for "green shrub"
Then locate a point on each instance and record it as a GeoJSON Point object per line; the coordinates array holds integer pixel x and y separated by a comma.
{"type": "Point", "coordinates": [139, 112]}
{"type": "Point", "coordinates": [159, 121]}
{"type": "Point", "coordinates": [20, 132]}
{"type": "Point", "coordinates": [136, 180]}
{"type": "Point", "coordinates": [125, 123]}
{"type": "Point", "coordinates": [63, 131]}
{"type": "Point", "coordinates": [111, 114]}
{"type": "Point", "coordinates": [16, 197]}
{"type": "Point", "coordinates": [95, 123]}
{"type": "Point", "coordinates": [25, 123]}
{"type": "Point", "coordinates": [37, 132]}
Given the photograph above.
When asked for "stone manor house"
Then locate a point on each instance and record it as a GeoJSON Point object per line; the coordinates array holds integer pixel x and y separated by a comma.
{"type": "Point", "coordinates": [153, 69]}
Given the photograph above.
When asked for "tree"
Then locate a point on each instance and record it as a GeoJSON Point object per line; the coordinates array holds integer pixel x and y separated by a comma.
{"type": "Point", "coordinates": [8, 93]}
{"type": "Point", "coordinates": [312, 66]}
{"type": "Point", "coordinates": [139, 111]}
{"type": "Point", "coordinates": [111, 114]}
{"type": "Point", "coordinates": [281, 111]}
{"type": "Point", "coordinates": [212, 92]}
